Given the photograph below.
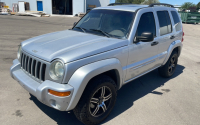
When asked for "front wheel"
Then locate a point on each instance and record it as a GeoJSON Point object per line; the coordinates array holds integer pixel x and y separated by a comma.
{"type": "Point", "coordinates": [97, 100]}
{"type": "Point", "coordinates": [169, 68]}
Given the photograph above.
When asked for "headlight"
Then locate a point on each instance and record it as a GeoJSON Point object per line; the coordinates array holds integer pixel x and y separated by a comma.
{"type": "Point", "coordinates": [56, 70]}
{"type": "Point", "coordinates": [19, 52]}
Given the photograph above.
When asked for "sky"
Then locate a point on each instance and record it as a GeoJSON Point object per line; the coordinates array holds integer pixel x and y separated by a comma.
{"type": "Point", "coordinates": [174, 2]}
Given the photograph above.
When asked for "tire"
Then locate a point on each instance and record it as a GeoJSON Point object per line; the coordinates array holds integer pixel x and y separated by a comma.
{"type": "Point", "coordinates": [92, 110]}
{"type": "Point", "coordinates": [169, 68]}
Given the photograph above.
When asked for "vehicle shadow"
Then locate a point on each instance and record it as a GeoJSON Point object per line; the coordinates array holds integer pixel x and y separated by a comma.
{"type": "Point", "coordinates": [126, 96]}
{"type": "Point", "coordinates": [140, 87]}
{"type": "Point", "coordinates": [61, 117]}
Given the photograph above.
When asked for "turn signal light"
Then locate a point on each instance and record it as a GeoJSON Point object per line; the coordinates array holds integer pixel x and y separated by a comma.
{"type": "Point", "coordinates": [62, 94]}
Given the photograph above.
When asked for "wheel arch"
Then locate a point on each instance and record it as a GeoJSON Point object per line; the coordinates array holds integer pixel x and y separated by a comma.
{"type": "Point", "coordinates": [82, 76]}
{"type": "Point", "coordinates": [174, 46]}
{"type": "Point", "coordinates": [113, 74]}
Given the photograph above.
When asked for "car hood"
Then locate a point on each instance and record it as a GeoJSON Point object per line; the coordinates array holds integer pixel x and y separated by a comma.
{"type": "Point", "coordinates": [69, 45]}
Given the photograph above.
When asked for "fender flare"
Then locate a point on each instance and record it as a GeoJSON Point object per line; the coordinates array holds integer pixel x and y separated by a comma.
{"type": "Point", "coordinates": [172, 46]}
{"type": "Point", "coordinates": [83, 75]}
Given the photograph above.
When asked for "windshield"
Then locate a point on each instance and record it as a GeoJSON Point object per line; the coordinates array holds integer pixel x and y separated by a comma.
{"type": "Point", "coordinates": [109, 23]}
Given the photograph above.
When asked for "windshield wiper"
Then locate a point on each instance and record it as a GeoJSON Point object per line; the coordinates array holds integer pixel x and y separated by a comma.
{"type": "Point", "coordinates": [83, 29]}
{"type": "Point", "coordinates": [106, 34]}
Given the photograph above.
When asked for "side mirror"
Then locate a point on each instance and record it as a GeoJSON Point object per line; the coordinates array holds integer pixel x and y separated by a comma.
{"type": "Point", "coordinates": [145, 37]}
{"type": "Point", "coordinates": [75, 23]}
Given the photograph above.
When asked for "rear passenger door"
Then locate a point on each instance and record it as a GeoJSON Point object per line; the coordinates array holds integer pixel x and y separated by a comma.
{"type": "Point", "coordinates": [166, 33]}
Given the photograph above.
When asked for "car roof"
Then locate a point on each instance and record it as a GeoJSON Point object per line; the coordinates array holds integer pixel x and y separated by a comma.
{"type": "Point", "coordinates": [131, 7]}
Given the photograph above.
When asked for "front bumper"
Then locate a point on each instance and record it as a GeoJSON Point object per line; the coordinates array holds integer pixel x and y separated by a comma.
{"type": "Point", "coordinates": [40, 90]}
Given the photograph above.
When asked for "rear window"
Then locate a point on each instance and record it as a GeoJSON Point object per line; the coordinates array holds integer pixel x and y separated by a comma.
{"type": "Point", "coordinates": [165, 22]}
{"type": "Point", "coordinates": [177, 21]}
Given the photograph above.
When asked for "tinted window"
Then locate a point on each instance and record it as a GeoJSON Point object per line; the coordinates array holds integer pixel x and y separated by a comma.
{"type": "Point", "coordinates": [176, 20]}
{"type": "Point", "coordinates": [113, 22]}
{"type": "Point", "coordinates": [146, 24]}
{"type": "Point", "coordinates": [165, 23]}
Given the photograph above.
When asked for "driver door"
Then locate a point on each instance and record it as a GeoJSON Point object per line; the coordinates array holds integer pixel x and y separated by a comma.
{"type": "Point", "coordinates": [142, 55]}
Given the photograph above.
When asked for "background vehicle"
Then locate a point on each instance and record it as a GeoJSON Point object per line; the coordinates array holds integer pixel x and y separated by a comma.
{"type": "Point", "coordinates": [83, 68]}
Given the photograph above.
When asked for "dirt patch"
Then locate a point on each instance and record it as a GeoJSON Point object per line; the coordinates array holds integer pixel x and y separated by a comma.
{"type": "Point", "coordinates": [8, 59]}
{"type": "Point", "coordinates": [18, 113]}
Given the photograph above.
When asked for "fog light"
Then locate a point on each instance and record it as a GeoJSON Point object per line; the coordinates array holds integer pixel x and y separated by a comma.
{"type": "Point", "coordinates": [62, 94]}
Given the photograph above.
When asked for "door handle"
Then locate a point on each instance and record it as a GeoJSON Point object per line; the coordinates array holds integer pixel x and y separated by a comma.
{"type": "Point", "coordinates": [154, 43]}
{"type": "Point", "coordinates": [172, 37]}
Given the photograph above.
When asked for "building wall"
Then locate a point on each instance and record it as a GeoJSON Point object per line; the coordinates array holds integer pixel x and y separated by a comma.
{"type": "Point", "coordinates": [79, 6]}
{"type": "Point", "coordinates": [32, 3]}
{"type": "Point", "coordinates": [98, 3]}
{"type": "Point", "coordinates": [47, 6]}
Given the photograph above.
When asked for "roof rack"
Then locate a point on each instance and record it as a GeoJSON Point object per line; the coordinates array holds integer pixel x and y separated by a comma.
{"type": "Point", "coordinates": [113, 4]}
{"type": "Point", "coordinates": [152, 5]}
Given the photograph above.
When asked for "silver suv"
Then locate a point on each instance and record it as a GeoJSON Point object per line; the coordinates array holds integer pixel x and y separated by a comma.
{"type": "Point", "coordinates": [82, 69]}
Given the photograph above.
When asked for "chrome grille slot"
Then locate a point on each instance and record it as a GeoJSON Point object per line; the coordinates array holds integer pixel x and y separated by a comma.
{"type": "Point", "coordinates": [43, 69]}
{"type": "Point", "coordinates": [29, 65]}
{"type": "Point", "coordinates": [33, 66]}
{"type": "Point", "coordinates": [24, 61]}
{"type": "Point", "coordinates": [37, 69]}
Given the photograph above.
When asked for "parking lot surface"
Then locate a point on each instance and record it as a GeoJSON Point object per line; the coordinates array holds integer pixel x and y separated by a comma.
{"type": "Point", "coordinates": [148, 100]}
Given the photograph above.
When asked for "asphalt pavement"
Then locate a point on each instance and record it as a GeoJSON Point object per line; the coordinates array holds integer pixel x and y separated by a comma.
{"type": "Point", "coordinates": [148, 100]}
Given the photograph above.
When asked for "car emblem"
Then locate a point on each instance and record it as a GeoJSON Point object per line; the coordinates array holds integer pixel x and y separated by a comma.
{"type": "Point", "coordinates": [35, 51]}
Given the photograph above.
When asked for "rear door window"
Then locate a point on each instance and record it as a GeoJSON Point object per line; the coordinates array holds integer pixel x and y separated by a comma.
{"type": "Point", "coordinates": [165, 22]}
{"type": "Point", "coordinates": [177, 21]}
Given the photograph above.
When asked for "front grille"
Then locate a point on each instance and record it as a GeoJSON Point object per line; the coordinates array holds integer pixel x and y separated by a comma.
{"type": "Point", "coordinates": [33, 66]}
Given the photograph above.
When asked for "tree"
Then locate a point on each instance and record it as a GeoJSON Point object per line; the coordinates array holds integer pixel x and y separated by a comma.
{"type": "Point", "coordinates": [148, 2]}
{"type": "Point", "coordinates": [137, 1]}
{"type": "Point", "coordinates": [123, 1]}
{"type": "Point", "coordinates": [187, 5]}
{"type": "Point", "coordinates": [192, 9]}
{"type": "Point", "coordinates": [198, 6]}
{"type": "Point", "coordinates": [130, 1]}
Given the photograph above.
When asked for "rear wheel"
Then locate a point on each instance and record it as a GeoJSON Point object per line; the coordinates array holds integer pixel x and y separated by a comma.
{"type": "Point", "coordinates": [169, 68]}
{"type": "Point", "coordinates": [97, 100]}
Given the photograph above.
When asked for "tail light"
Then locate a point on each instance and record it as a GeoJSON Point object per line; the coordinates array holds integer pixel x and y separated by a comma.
{"type": "Point", "coordinates": [183, 35]}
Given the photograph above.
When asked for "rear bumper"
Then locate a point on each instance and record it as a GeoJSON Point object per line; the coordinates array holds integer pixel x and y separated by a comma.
{"type": "Point", "coordinates": [40, 90]}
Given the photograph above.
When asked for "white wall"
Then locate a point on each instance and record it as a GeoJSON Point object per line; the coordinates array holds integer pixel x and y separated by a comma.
{"type": "Point", "coordinates": [78, 6]}
{"type": "Point", "coordinates": [98, 3]}
{"type": "Point", "coordinates": [32, 3]}
{"type": "Point", "coordinates": [47, 6]}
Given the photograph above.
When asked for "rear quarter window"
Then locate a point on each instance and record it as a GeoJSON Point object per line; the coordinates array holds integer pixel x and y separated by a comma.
{"type": "Point", "coordinates": [164, 22]}
{"type": "Point", "coordinates": [177, 21]}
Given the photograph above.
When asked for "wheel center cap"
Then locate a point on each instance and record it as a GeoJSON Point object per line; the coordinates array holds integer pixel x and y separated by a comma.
{"type": "Point", "coordinates": [100, 100]}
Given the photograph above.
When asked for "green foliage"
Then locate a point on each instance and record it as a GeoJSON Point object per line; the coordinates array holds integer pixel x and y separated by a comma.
{"type": "Point", "coordinates": [187, 5]}
{"type": "Point", "coordinates": [137, 1]}
{"type": "Point", "coordinates": [130, 1]}
{"type": "Point", "coordinates": [198, 6]}
{"type": "Point", "coordinates": [148, 2]}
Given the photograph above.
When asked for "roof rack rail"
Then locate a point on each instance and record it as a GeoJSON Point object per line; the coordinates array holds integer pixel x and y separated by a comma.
{"type": "Point", "coordinates": [113, 4]}
{"type": "Point", "coordinates": [152, 5]}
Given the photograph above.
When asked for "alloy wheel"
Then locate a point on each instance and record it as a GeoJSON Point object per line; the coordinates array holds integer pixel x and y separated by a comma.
{"type": "Point", "coordinates": [100, 101]}
{"type": "Point", "coordinates": [172, 64]}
